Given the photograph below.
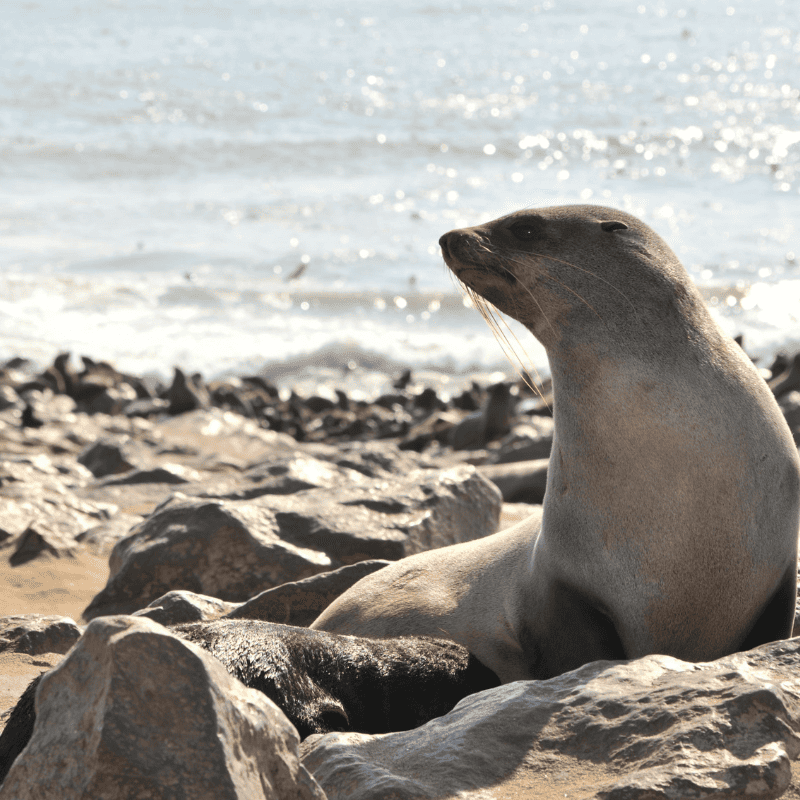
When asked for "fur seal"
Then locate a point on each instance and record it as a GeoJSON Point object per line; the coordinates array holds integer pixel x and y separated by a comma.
{"type": "Point", "coordinates": [321, 681]}
{"type": "Point", "coordinates": [670, 518]}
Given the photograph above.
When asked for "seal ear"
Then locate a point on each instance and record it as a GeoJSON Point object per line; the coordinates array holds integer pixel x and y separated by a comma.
{"type": "Point", "coordinates": [613, 225]}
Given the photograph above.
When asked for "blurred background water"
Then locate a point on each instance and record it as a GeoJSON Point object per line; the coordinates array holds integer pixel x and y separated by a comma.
{"type": "Point", "coordinates": [221, 185]}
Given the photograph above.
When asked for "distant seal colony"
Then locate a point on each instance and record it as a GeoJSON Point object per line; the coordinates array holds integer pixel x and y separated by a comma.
{"type": "Point", "coordinates": [670, 519]}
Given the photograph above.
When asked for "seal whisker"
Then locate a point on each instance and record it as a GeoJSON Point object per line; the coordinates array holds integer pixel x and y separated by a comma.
{"type": "Point", "coordinates": [493, 318]}
{"type": "Point", "coordinates": [533, 297]}
{"type": "Point", "coordinates": [588, 272]}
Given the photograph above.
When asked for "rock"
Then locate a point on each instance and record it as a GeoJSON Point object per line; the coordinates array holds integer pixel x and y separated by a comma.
{"type": "Point", "coordinates": [234, 549]}
{"type": "Point", "coordinates": [789, 380]}
{"type": "Point", "coordinates": [47, 406]}
{"type": "Point", "coordinates": [35, 542]}
{"type": "Point", "coordinates": [227, 550]}
{"type": "Point", "coordinates": [528, 442]}
{"type": "Point", "coordinates": [373, 459]}
{"type": "Point", "coordinates": [8, 398]}
{"type": "Point", "coordinates": [519, 481]}
{"type": "Point", "coordinates": [105, 457]}
{"type": "Point", "coordinates": [390, 518]}
{"type": "Point", "coordinates": [35, 634]}
{"type": "Point", "coordinates": [100, 539]}
{"type": "Point", "coordinates": [286, 475]}
{"type": "Point", "coordinates": [155, 475]}
{"type": "Point", "coordinates": [301, 602]}
{"type": "Point", "coordinates": [180, 606]}
{"type": "Point", "coordinates": [33, 491]}
{"type": "Point", "coordinates": [146, 406]}
{"type": "Point", "coordinates": [228, 437]}
{"type": "Point", "coordinates": [790, 406]}
{"type": "Point", "coordinates": [133, 711]}
{"type": "Point", "coordinates": [650, 729]}
{"type": "Point", "coordinates": [513, 513]}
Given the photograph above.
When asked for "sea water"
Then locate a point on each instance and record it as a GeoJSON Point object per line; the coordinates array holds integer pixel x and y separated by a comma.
{"type": "Point", "coordinates": [222, 185]}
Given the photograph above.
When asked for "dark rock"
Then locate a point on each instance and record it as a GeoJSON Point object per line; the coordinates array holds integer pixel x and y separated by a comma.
{"type": "Point", "coordinates": [788, 380]}
{"type": "Point", "coordinates": [33, 542]}
{"type": "Point", "coordinates": [155, 475]}
{"type": "Point", "coordinates": [105, 457]}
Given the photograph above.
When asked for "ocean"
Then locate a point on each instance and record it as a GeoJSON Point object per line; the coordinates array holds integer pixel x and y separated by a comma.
{"type": "Point", "coordinates": [228, 185]}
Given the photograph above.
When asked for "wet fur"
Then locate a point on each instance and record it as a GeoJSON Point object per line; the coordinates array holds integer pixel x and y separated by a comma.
{"type": "Point", "coordinates": [321, 681]}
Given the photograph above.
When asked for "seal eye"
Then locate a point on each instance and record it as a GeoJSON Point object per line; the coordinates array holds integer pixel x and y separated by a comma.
{"type": "Point", "coordinates": [526, 230]}
{"type": "Point", "coordinates": [613, 225]}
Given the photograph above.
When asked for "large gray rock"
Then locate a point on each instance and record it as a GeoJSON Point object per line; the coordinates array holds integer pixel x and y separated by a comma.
{"type": "Point", "coordinates": [652, 729]}
{"type": "Point", "coordinates": [393, 516]}
{"type": "Point", "coordinates": [133, 711]}
{"type": "Point", "coordinates": [235, 549]}
{"type": "Point", "coordinates": [226, 550]}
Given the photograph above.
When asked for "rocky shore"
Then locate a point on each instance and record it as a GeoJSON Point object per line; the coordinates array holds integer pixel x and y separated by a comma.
{"type": "Point", "coordinates": [127, 505]}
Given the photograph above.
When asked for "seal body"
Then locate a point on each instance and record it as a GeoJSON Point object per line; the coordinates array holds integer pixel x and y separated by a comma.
{"type": "Point", "coordinates": [670, 519]}
{"type": "Point", "coordinates": [324, 682]}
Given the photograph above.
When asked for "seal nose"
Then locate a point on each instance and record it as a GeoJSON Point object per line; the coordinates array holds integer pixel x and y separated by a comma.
{"type": "Point", "coordinates": [443, 244]}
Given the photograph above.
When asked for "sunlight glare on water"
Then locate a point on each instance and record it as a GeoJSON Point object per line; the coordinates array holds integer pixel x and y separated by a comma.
{"type": "Point", "coordinates": [224, 185]}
